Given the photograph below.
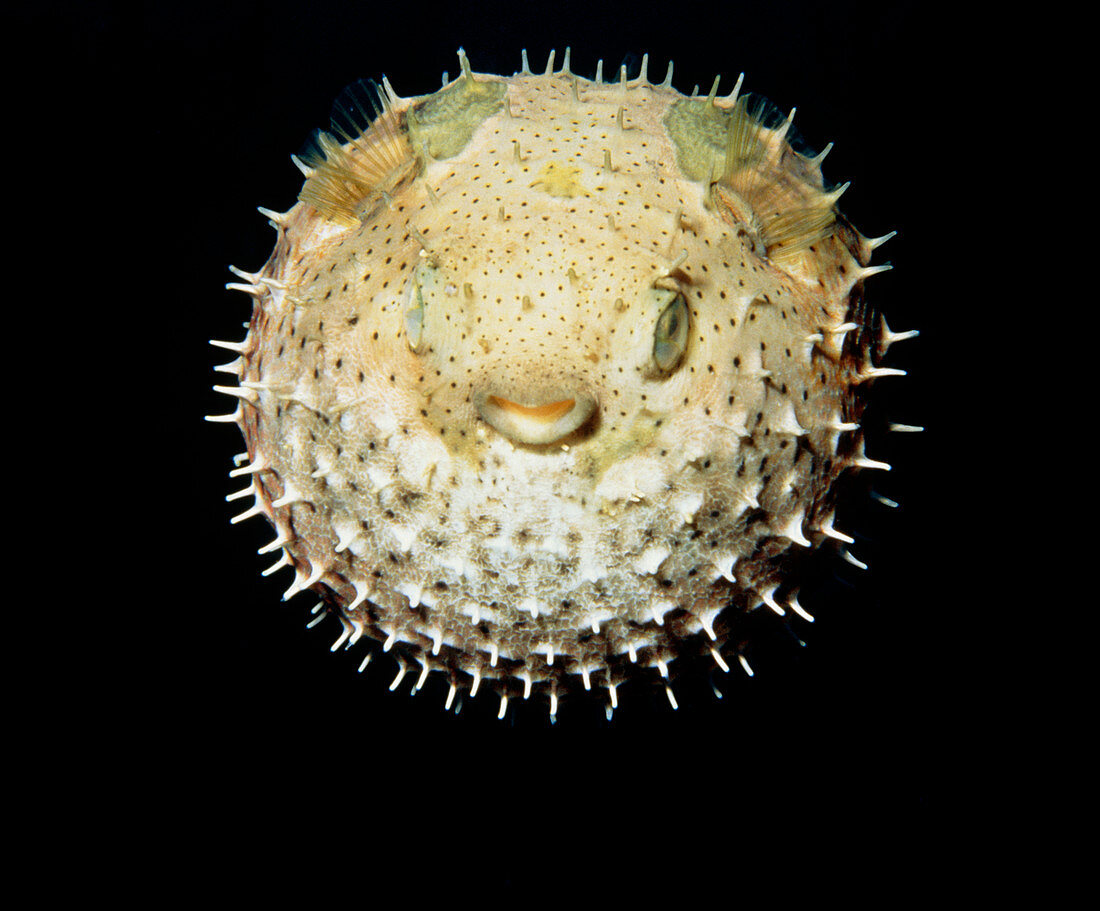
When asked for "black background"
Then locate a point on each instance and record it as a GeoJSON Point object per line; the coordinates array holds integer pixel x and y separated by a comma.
{"type": "Point", "coordinates": [240, 715]}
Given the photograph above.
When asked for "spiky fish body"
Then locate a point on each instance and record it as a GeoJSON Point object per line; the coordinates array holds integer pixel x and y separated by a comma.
{"type": "Point", "coordinates": [549, 379]}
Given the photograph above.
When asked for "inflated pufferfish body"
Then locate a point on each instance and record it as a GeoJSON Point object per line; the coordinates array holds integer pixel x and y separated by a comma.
{"type": "Point", "coordinates": [548, 379]}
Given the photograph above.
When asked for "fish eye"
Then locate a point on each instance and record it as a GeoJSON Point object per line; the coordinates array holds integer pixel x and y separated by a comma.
{"type": "Point", "coordinates": [670, 335]}
{"type": "Point", "coordinates": [414, 316]}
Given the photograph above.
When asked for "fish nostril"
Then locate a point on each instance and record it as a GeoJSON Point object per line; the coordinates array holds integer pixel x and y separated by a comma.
{"type": "Point", "coordinates": [537, 422]}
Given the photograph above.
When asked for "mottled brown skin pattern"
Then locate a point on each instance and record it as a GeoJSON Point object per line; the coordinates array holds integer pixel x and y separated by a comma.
{"type": "Point", "coordinates": [529, 267]}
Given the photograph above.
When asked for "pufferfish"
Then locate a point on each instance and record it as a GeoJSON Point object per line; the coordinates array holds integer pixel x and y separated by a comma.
{"type": "Point", "coordinates": [550, 381]}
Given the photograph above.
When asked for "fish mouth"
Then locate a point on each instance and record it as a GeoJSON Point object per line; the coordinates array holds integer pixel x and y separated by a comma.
{"type": "Point", "coordinates": [548, 418]}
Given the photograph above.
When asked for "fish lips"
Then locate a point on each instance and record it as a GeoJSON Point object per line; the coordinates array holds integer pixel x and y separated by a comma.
{"type": "Point", "coordinates": [544, 417]}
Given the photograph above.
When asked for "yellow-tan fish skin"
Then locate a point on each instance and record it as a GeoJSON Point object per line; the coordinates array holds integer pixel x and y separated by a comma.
{"type": "Point", "coordinates": [404, 364]}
